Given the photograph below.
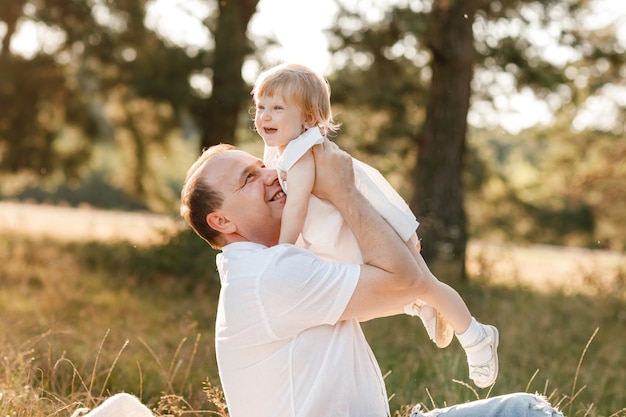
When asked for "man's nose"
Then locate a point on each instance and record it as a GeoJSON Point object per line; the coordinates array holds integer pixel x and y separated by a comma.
{"type": "Point", "coordinates": [270, 176]}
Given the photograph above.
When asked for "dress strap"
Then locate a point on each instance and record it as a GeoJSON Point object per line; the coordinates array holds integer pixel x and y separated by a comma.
{"type": "Point", "coordinates": [298, 147]}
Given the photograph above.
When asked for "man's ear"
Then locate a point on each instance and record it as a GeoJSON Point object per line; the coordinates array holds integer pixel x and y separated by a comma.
{"type": "Point", "coordinates": [220, 223]}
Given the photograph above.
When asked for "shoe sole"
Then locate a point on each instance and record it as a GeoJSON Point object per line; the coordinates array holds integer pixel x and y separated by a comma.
{"type": "Point", "coordinates": [444, 332]}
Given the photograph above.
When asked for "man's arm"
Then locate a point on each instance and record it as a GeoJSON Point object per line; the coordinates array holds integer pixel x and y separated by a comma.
{"type": "Point", "coordinates": [390, 278]}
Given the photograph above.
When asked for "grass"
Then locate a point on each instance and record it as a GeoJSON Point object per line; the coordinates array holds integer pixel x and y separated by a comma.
{"type": "Point", "coordinates": [82, 321]}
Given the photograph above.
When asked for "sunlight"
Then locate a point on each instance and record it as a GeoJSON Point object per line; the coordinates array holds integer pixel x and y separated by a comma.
{"type": "Point", "coordinates": [34, 37]}
{"type": "Point", "coordinates": [181, 22]}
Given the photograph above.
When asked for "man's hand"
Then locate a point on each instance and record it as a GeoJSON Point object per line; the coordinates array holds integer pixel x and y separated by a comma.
{"type": "Point", "coordinates": [334, 174]}
{"type": "Point", "coordinates": [389, 276]}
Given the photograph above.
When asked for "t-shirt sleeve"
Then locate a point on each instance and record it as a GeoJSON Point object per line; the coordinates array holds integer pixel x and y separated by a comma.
{"type": "Point", "coordinates": [298, 291]}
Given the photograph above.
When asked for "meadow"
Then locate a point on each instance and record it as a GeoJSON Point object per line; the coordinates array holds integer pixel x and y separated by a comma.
{"type": "Point", "coordinates": [83, 319]}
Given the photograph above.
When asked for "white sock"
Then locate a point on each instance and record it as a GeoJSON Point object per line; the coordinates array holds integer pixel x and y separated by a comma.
{"type": "Point", "coordinates": [470, 337]}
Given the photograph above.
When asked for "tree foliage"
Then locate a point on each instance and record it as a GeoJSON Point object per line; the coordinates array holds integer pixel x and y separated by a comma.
{"type": "Point", "coordinates": [102, 73]}
{"type": "Point", "coordinates": [418, 82]}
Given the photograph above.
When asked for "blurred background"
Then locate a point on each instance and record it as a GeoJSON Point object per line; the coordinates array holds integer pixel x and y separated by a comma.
{"type": "Point", "coordinates": [501, 122]}
{"type": "Point", "coordinates": [496, 119]}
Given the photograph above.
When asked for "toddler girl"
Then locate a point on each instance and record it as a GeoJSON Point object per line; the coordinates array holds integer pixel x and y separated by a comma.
{"type": "Point", "coordinates": [293, 113]}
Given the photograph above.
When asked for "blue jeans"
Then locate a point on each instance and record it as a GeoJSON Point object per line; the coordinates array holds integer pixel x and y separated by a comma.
{"type": "Point", "coordinates": [510, 405]}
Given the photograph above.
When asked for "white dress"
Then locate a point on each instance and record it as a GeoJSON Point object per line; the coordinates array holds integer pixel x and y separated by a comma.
{"type": "Point", "coordinates": [325, 232]}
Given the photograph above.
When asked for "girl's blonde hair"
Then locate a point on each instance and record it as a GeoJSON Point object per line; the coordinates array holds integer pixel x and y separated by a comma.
{"type": "Point", "coordinates": [308, 90]}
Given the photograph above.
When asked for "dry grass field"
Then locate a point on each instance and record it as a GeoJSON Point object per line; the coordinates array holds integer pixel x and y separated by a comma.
{"type": "Point", "coordinates": [91, 304]}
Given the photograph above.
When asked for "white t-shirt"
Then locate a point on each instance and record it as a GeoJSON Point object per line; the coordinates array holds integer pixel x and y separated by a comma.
{"type": "Point", "coordinates": [325, 232]}
{"type": "Point", "coordinates": [280, 350]}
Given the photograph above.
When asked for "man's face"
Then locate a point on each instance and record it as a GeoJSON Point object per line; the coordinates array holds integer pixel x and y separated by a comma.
{"type": "Point", "coordinates": [253, 199]}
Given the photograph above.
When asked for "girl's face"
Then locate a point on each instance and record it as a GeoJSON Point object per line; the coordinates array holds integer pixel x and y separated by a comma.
{"type": "Point", "coordinates": [278, 121]}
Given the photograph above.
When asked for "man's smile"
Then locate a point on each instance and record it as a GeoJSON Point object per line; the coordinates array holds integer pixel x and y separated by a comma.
{"type": "Point", "coordinates": [278, 196]}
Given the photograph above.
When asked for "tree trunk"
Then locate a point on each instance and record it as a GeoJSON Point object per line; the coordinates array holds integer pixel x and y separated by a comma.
{"type": "Point", "coordinates": [10, 11]}
{"type": "Point", "coordinates": [219, 113]}
{"type": "Point", "coordinates": [438, 195]}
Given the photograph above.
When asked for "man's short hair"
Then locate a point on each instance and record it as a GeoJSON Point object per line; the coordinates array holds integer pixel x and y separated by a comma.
{"type": "Point", "coordinates": [198, 198]}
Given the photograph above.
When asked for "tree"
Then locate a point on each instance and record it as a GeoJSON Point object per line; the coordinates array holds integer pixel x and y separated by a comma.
{"type": "Point", "coordinates": [218, 115]}
{"type": "Point", "coordinates": [438, 193]}
{"type": "Point", "coordinates": [43, 102]}
{"type": "Point", "coordinates": [440, 44]}
{"type": "Point", "coordinates": [109, 77]}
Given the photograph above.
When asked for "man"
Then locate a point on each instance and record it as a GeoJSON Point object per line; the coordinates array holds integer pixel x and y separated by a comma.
{"type": "Point", "coordinates": [288, 338]}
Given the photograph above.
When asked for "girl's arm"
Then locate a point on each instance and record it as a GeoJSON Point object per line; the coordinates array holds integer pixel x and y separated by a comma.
{"type": "Point", "coordinates": [300, 179]}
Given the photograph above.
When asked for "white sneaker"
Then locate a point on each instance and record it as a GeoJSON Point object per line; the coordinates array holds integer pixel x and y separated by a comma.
{"type": "Point", "coordinates": [437, 327]}
{"type": "Point", "coordinates": [485, 375]}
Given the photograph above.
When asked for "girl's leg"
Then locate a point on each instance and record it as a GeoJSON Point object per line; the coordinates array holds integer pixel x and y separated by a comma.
{"type": "Point", "coordinates": [445, 299]}
{"type": "Point", "coordinates": [445, 305]}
